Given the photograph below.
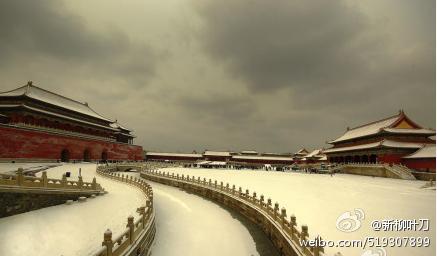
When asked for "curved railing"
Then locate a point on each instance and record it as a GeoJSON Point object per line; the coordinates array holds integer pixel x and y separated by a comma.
{"type": "Point", "coordinates": [138, 236]}
{"type": "Point", "coordinates": [43, 182]}
{"type": "Point", "coordinates": [284, 233]}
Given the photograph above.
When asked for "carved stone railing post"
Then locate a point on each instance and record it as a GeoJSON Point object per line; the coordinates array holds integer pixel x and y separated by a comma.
{"type": "Point", "coordinates": [149, 203]}
{"type": "Point", "coordinates": [44, 179]}
{"type": "Point", "coordinates": [240, 192]}
{"type": "Point", "coordinates": [283, 216]}
{"type": "Point", "coordinates": [276, 210]}
{"type": "Point", "coordinates": [131, 226]}
{"type": "Point", "coordinates": [293, 224]}
{"type": "Point", "coordinates": [221, 185]}
{"type": "Point", "coordinates": [209, 182]}
{"type": "Point", "coordinates": [20, 177]}
{"type": "Point", "coordinates": [269, 205]}
{"type": "Point", "coordinates": [107, 242]}
{"type": "Point", "coordinates": [80, 182]}
{"type": "Point", "coordinates": [64, 180]}
{"type": "Point", "coordinates": [247, 194]}
{"type": "Point", "coordinates": [142, 212]}
{"type": "Point", "coordinates": [215, 183]}
{"type": "Point", "coordinates": [261, 201]}
{"type": "Point", "coordinates": [304, 233]}
{"type": "Point", "coordinates": [233, 189]}
{"type": "Point", "coordinates": [318, 250]}
{"type": "Point", "coordinates": [94, 184]}
{"type": "Point", "coordinates": [254, 197]}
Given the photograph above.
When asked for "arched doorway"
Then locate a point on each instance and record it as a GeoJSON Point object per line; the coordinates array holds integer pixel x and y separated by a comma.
{"type": "Point", "coordinates": [104, 155]}
{"type": "Point", "coordinates": [86, 155]}
{"type": "Point", "coordinates": [65, 155]}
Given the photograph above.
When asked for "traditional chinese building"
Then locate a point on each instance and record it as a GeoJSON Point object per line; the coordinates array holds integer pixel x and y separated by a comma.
{"type": "Point", "coordinates": [387, 141]}
{"type": "Point", "coordinates": [221, 156]}
{"type": "Point", "coordinates": [249, 153]}
{"type": "Point", "coordinates": [176, 157]}
{"type": "Point", "coordinates": [299, 155]}
{"type": "Point", "coordinates": [42, 125]}
{"type": "Point", "coordinates": [421, 160]}
{"type": "Point", "coordinates": [271, 160]}
{"type": "Point", "coordinates": [315, 156]}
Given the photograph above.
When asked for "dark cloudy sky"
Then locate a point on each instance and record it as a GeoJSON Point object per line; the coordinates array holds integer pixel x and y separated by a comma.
{"type": "Point", "coordinates": [233, 74]}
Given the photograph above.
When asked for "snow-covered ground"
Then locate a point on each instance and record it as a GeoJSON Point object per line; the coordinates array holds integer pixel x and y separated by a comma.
{"type": "Point", "coordinates": [318, 200]}
{"type": "Point", "coordinates": [186, 224]}
{"type": "Point", "coordinates": [11, 167]}
{"type": "Point", "coordinates": [190, 225]}
{"type": "Point", "coordinates": [70, 229]}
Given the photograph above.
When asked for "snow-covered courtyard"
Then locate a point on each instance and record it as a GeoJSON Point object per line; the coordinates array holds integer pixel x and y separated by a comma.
{"type": "Point", "coordinates": [12, 167]}
{"type": "Point", "coordinates": [186, 224]}
{"type": "Point", "coordinates": [190, 225]}
{"type": "Point", "coordinates": [318, 200]}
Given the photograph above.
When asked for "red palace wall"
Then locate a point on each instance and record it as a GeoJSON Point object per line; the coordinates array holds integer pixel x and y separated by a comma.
{"type": "Point", "coordinates": [391, 158]}
{"type": "Point", "coordinates": [423, 164]}
{"type": "Point", "coordinates": [19, 143]}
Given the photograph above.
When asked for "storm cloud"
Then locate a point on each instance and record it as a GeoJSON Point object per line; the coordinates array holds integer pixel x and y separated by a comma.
{"type": "Point", "coordinates": [242, 74]}
{"type": "Point", "coordinates": [327, 52]}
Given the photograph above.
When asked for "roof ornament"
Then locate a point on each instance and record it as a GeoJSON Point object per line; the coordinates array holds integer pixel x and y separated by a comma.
{"type": "Point", "coordinates": [348, 128]}
{"type": "Point", "coordinates": [86, 104]}
{"type": "Point", "coordinates": [28, 85]}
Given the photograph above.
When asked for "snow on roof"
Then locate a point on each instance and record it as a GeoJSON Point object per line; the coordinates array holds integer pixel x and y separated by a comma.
{"type": "Point", "coordinates": [66, 117]}
{"type": "Point", "coordinates": [410, 131]}
{"type": "Point", "coordinates": [249, 152]}
{"type": "Point", "coordinates": [203, 162]}
{"type": "Point", "coordinates": [302, 151]}
{"type": "Point", "coordinates": [323, 158]}
{"type": "Point", "coordinates": [118, 126]}
{"type": "Point", "coordinates": [276, 154]}
{"type": "Point", "coordinates": [314, 153]}
{"type": "Point", "coordinates": [367, 129]}
{"type": "Point", "coordinates": [383, 143]}
{"type": "Point", "coordinates": [263, 158]}
{"type": "Point", "coordinates": [217, 153]}
{"type": "Point", "coordinates": [173, 154]}
{"type": "Point", "coordinates": [427, 151]}
{"type": "Point", "coordinates": [211, 163]}
{"type": "Point", "coordinates": [52, 98]}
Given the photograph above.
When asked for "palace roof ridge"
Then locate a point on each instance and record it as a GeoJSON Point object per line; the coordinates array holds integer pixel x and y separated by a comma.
{"type": "Point", "coordinates": [378, 121]}
{"type": "Point", "coordinates": [29, 88]}
{"type": "Point", "coordinates": [386, 124]}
